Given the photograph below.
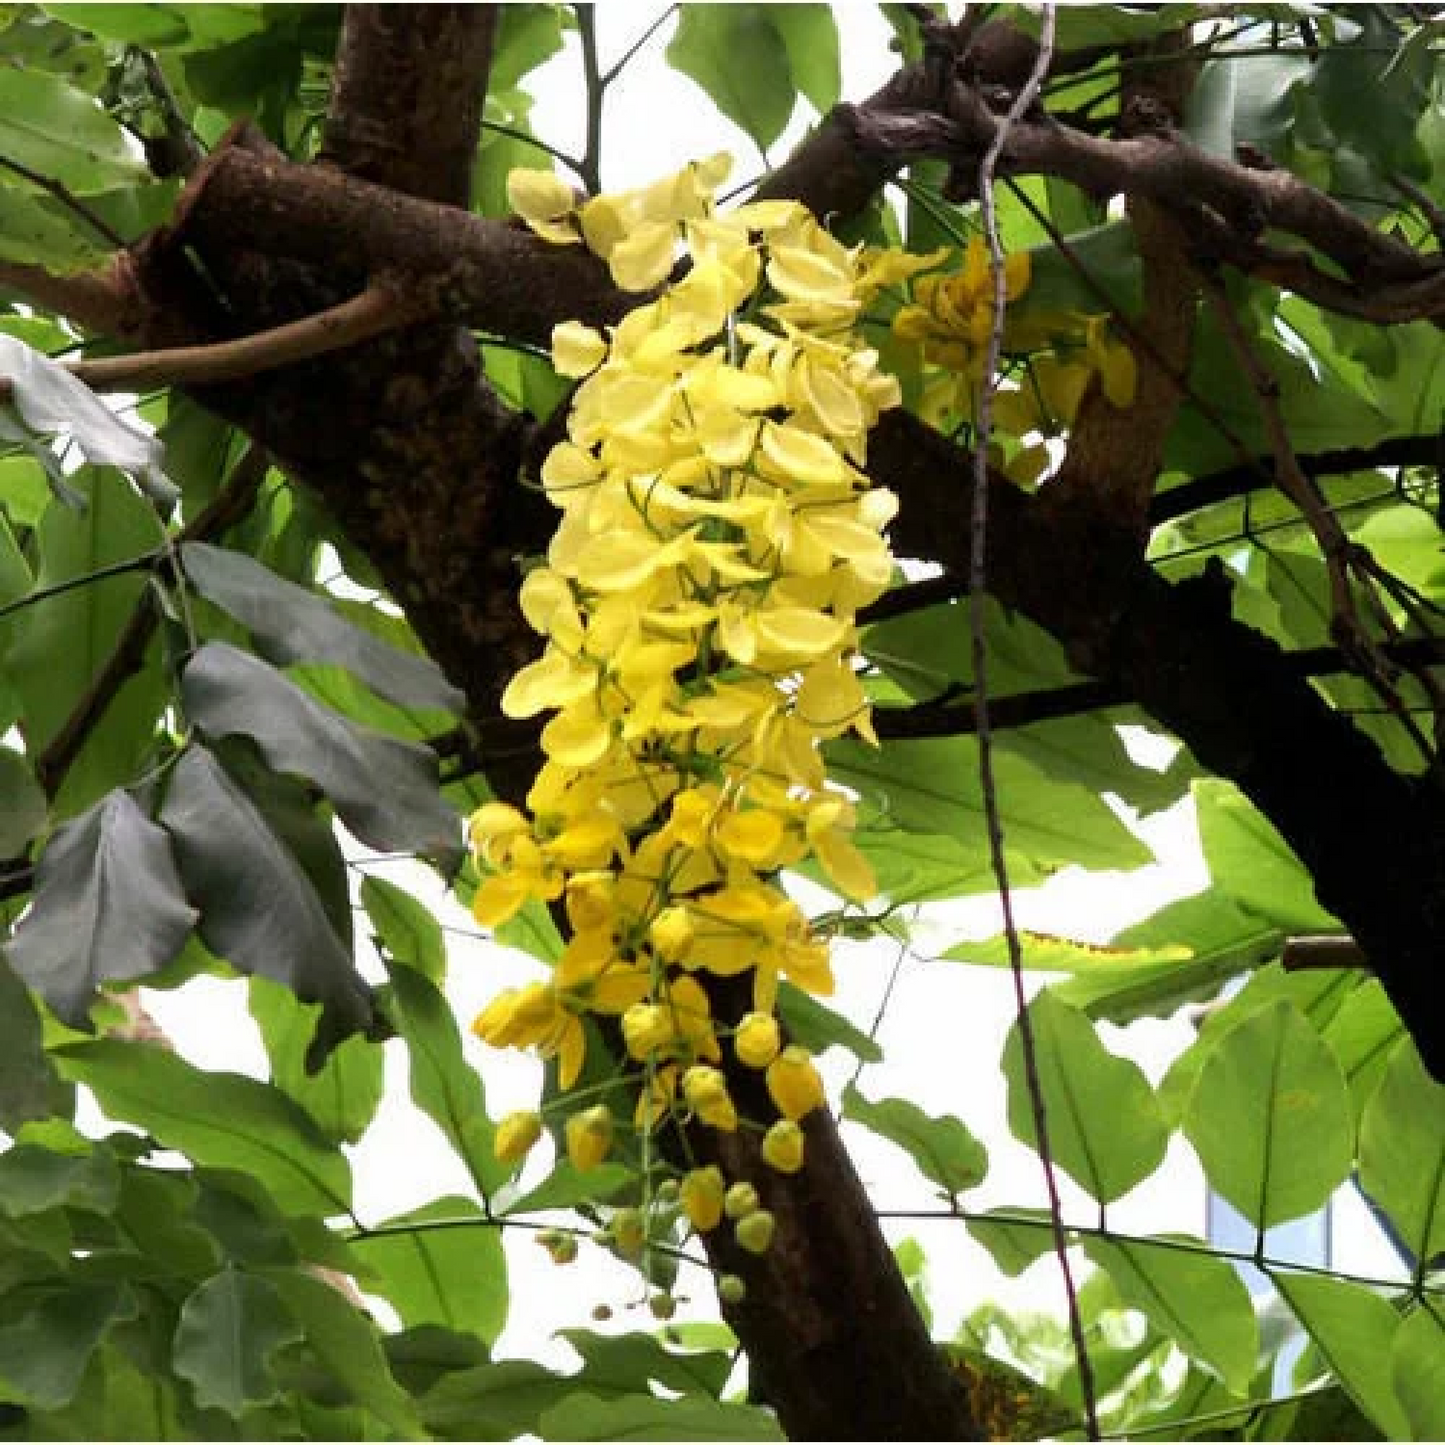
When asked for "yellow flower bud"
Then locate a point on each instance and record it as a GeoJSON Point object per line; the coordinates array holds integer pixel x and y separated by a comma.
{"type": "Point", "coordinates": [516, 1134]}
{"type": "Point", "coordinates": [671, 933]}
{"type": "Point", "coordinates": [757, 1040]}
{"type": "Point", "coordinates": [589, 1137]}
{"type": "Point", "coordinates": [706, 1092]}
{"type": "Point", "coordinates": [646, 1028]}
{"type": "Point", "coordinates": [755, 1231]}
{"type": "Point", "coordinates": [731, 1290]}
{"type": "Point", "coordinates": [794, 1083]}
{"type": "Point", "coordinates": [740, 1200]}
{"type": "Point", "coordinates": [629, 1232]}
{"type": "Point", "coordinates": [783, 1147]}
{"type": "Point", "coordinates": [702, 1193]}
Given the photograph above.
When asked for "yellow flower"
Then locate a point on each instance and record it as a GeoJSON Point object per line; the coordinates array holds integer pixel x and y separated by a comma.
{"type": "Point", "coordinates": [783, 1147]}
{"type": "Point", "coordinates": [545, 203]}
{"type": "Point", "coordinates": [646, 1029]}
{"type": "Point", "coordinates": [794, 1083]}
{"type": "Point", "coordinates": [757, 1040]}
{"type": "Point", "coordinates": [589, 1137]}
{"type": "Point", "coordinates": [702, 1194]}
{"type": "Point", "coordinates": [516, 1134]}
{"type": "Point", "coordinates": [535, 1017]}
{"type": "Point", "coordinates": [953, 314]}
{"type": "Point", "coordinates": [706, 1092]}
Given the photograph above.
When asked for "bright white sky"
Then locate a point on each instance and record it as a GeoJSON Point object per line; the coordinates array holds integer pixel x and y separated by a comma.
{"type": "Point", "coordinates": [945, 1023]}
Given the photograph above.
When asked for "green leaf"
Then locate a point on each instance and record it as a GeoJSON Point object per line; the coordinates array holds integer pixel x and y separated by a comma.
{"type": "Point", "coordinates": [64, 641]}
{"type": "Point", "coordinates": [223, 1121]}
{"type": "Point", "coordinates": [1316, 992]}
{"type": "Point", "coordinates": [566, 1188]}
{"type": "Point", "coordinates": [943, 1148]}
{"type": "Point", "coordinates": [645, 1417]}
{"type": "Point", "coordinates": [48, 1334]}
{"type": "Point", "coordinates": [27, 1077]}
{"type": "Point", "coordinates": [1198, 1300]}
{"type": "Point", "coordinates": [527, 36]}
{"type": "Point", "coordinates": [301, 821]}
{"type": "Point", "coordinates": [633, 1362]}
{"type": "Point", "coordinates": [59, 131]}
{"type": "Point", "coordinates": [157, 1212]}
{"type": "Point", "coordinates": [817, 1027]}
{"type": "Point", "coordinates": [23, 808]}
{"type": "Point", "coordinates": [385, 791]}
{"type": "Point", "coordinates": [229, 1329]}
{"type": "Point", "coordinates": [1106, 1129]}
{"type": "Point", "coordinates": [494, 1401]}
{"type": "Point", "coordinates": [1353, 1328]}
{"type": "Point", "coordinates": [35, 1179]}
{"type": "Point", "coordinates": [443, 1084]}
{"type": "Point", "coordinates": [406, 928]}
{"type": "Point", "coordinates": [1222, 938]}
{"type": "Point", "coordinates": [258, 910]}
{"type": "Point", "coordinates": [737, 56]}
{"type": "Point", "coordinates": [452, 1276]}
{"type": "Point", "coordinates": [1052, 954]}
{"type": "Point", "coordinates": [1402, 1153]}
{"type": "Point", "coordinates": [932, 786]}
{"type": "Point", "coordinates": [810, 38]}
{"type": "Point", "coordinates": [1363, 1035]}
{"type": "Point", "coordinates": [1252, 864]}
{"type": "Point", "coordinates": [292, 624]}
{"type": "Point", "coordinates": [1013, 1238]}
{"type": "Point", "coordinates": [341, 1096]}
{"type": "Point", "coordinates": [1417, 1367]}
{"type": "Point", "coordinates": [163, 26]}
{"type": "Point", "coordinates": [108, 907]}
{"type": "Point", "coordinates": [347, 1344]}
{"type": "Point", "coordinates": [926, 653]}
{"type": "Point", "coordinates": [1270, 1117]}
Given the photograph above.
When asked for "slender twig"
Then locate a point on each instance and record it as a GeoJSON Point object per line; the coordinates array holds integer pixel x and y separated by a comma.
{"type": "Point", "coordinates": [139, 563]}
{"type": "Point", "coordinates": [977, 583]}
{"type": "Point", "coordinates": [67, 198]}
{"type": "Point", "coordinates": [1163, 1243]}
{"type": "Point", "coordinates": [1229, 483]}
{"type": "Point", "coordinates": [1180, 1428]}
{"type": "Point", "coordinates": [616, 69]}
{"type": "Point", "coordinates": [596, 89]}
{"type": "Point", "coordinates": [512, 133]}
{"type": "Point", "coordinates": [371, 313]}
{"type": "Point", "coordinates": [1327, 950]}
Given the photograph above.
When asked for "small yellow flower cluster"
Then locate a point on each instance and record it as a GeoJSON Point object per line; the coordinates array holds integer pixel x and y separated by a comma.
{"type": "Point", "coordinates": [949, 320]}
{"type": "Point", "coordinates": [717, 538]}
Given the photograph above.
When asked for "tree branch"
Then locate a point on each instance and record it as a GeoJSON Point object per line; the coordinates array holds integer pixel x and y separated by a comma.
{"type": "Point", "coordinates": [373, 312]}
{"type": "Point", "coordinates": [1254, 476]}
{"type": "Point", "coordinates": [406, 100]}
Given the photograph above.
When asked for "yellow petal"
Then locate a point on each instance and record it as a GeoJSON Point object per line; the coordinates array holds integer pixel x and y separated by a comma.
{"type": "Point", "coordinates": [577, 350]}
{"type": "Point", "coordinates": [801, 456]}
{"type": "Point", "coordinates": [539, 197]}
{"type": "Point", "coordinates": [577, 738]}
{"type": "Point", "coordinates": [644, 258]}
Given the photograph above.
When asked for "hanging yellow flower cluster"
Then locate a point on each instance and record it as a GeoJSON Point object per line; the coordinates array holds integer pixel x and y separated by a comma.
{"type": "Point", "coordinates": [717, 538]}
